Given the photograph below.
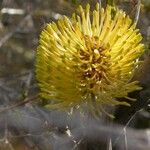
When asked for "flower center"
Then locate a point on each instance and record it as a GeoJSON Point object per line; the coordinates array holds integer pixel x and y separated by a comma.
{"type": "Point", "coordinates": [94, 64]}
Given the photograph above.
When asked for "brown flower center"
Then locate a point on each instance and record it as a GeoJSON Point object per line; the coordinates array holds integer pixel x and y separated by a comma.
{"type": "Point", "coordinates": [94, 63]}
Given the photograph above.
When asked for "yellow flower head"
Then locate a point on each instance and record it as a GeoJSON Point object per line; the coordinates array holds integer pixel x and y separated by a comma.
{"type": "Point", "coordinates": [93, 54]}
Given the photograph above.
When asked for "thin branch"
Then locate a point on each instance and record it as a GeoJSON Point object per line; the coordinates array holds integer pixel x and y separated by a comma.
{"type": "Point", "coordinates": [125, 127]}
{"type": "Point", "coordinates": [11, 33]}
{"type": "Point", "coordinates": [125, 138]}
{"type": "Point", "coordinates": [27, 100]}
{"type": "Point", "coordinates": [110, 144]}
{"type": "Point", "coordinates": [137, 14]}
{"type": "Point", "coordinates": [100, 3]}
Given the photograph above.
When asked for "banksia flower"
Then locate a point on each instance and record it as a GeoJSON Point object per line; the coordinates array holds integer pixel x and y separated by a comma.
{"type": "Point", "coordinates": [90, 57]}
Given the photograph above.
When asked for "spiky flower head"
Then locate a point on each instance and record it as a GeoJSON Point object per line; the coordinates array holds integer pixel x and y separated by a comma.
{"type": "Point", "coordinates": [92, 55]}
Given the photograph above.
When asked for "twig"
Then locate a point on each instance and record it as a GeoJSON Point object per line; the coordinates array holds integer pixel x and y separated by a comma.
{"type": "Point", "coordinates": [19, 104]}
{"type": "Point", "coordinates": [10, 34]}
{"type": "Point", "coordinates": [100, 3]}
{"type": "Point", "coordinates": [110, 144]}
{"type": "Point", "coordinates": [127, 124]}
{"type": "Point", "coordinates": [137, 14]}
{"type": "Point", "coordinates": [125, 138]}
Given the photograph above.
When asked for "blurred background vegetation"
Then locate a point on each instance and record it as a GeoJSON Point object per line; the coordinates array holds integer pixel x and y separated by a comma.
{"type": "Point", "coordinates": [30, 127]}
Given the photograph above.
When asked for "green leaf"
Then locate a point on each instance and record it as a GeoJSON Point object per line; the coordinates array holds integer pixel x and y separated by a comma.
{"type": "Point", "coordinates": [74, 1]}
{"type": "Point", "coordinates": [110, 2]}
